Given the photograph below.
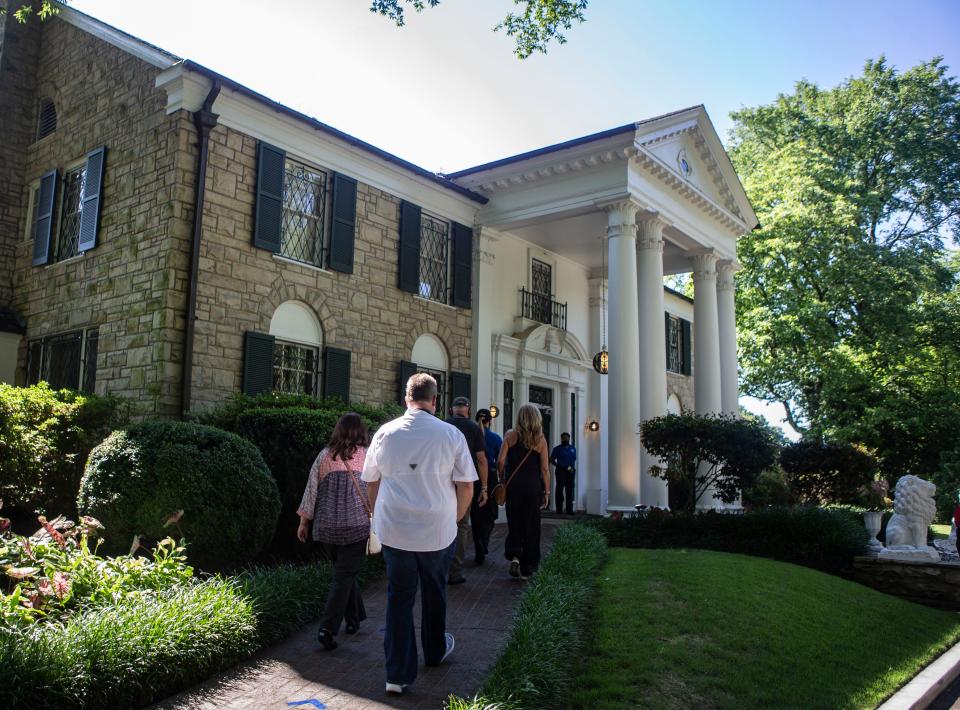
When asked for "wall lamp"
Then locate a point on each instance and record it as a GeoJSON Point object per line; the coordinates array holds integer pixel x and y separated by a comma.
{"type": "Point", "coordinates": [494, 411]}
{"type": "Point", "coordinates": [593, 425]}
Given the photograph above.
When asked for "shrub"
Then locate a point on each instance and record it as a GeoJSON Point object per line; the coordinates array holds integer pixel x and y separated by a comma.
{"type": "Point", "coordinates": [45, 438]}
{"type": "Point", "coordinates": [290, 430]}
{"type": "Point", "coordinates": [769, 490]}
{"type": "Point", "coordinates": [813, 537]}
{"type": "Point", "coordinates": [701, 451]}
{"type": "Point", "coordinates": [547, 634]}
{"type": "Point", "coordinates": [212, 484]}
{"type": "Point", "coordinates": [827, 472]}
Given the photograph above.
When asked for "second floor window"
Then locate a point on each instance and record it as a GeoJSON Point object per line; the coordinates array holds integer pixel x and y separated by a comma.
{"type": "Point", "coordinates": [295, 368]}
{"type": "Point", "coordinates": [674, 352]}
{"type": "Point", "coordinates": [434, 258]}
{"type": "Point", "coordinates": [71, 209]}
{"type": "Point", "coordinates": [304, 213]}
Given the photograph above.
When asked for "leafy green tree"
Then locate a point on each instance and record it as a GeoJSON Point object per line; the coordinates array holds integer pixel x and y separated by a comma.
{"type": "Point", "coordinates": [827, 472]}
{"type": "Point", "coordinates": [704, 451]}
{"type": "Point", "coordinates": [533, 28]}
{"type": "Point", "coordinates": [848, 308]}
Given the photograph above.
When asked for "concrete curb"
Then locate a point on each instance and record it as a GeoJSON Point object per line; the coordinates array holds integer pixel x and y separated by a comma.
{"type": "Point", "coordinates": [927, 684]}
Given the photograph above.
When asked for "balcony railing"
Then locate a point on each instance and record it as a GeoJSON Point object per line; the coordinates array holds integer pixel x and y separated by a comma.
{"type": "Point", "coordinates": [543, 309]}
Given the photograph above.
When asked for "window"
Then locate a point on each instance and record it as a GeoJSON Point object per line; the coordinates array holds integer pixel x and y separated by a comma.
{"type": "Point", "coordinates": [295, 368]}
{"type": "Point", "coordinates": [304, 213]}
{"type": "Point", "coordinates": [434, 258]}
{"type": "Point", "coordinates": [674, 348]}
{"type": "Point", "coordinates": [46, 119]}
{"type": "Point", "coordinates": [71, 208]}
{"type": "Point", "coordinates": [68, 360]}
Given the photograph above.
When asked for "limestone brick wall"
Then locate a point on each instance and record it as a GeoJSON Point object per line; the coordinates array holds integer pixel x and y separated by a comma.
{"type": "Point", "coordinates": [240, 287]}
{"type": "Point", "coordinates": [682, 386]}
{"type": "Point", "coordinates": [132, 284]}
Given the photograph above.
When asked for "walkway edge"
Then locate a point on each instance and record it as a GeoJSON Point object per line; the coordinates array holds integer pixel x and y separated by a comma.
{"type": "Point", "coordinates": [927, 684]}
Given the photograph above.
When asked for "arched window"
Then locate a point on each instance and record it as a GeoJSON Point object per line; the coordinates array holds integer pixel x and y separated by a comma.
{"type": "Point", "coordinates": [296, 351]}
{"type": "Point", "coordinates": [430, 356]}
{"type": "Point", "coordinates": [46, 118]}
{"type": "Point", "coordinates": [673, 405]}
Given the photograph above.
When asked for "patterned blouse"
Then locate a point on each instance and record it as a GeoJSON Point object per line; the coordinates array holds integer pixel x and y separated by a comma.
{"type": "Point", "coordinates": [331, 500]}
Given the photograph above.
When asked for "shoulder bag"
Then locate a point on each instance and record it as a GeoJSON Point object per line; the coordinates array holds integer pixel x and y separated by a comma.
{"type": "Point", "coordinates": [500, 490]}
{"type": "Point", "coordinates": [373, 542]}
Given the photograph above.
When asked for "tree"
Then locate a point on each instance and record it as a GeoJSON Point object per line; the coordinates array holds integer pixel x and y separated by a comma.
{"type": "Point", "coordinates": [701, 451]}
{"type": "Point", "coordinates": [848, 305]}
{"type": "Point", "coordinates": [43, 10]}
{"type": "Point", "coordinates": [533, 28]}
{"type": "Point", "coordinates": [827, 472]}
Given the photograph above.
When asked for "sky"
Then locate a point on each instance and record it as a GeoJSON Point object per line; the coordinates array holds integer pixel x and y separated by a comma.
{"type": "Point", "coordinates": [446, 93]}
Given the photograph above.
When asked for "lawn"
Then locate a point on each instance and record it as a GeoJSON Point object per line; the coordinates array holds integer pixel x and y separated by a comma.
{"type": "Point", "coordinates": [690, 628]}
{"type": "Point", "coordinates": [941, 532]}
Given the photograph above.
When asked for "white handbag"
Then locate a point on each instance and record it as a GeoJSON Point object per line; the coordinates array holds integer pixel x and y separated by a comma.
{"type": "Point", "coordinates": [373, 542]}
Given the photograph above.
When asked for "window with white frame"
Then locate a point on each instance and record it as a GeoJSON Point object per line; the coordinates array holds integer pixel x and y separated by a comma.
{"type": "Point", "coordinates": [66, 360]}
{"type": "Point", "coordinates": [71, 208]}
{"type": "Point", "coordinates": [296, 368]}
{"type": "Point", "coordinates": [434, 258]}
{"type": "Point", "coordinates": [304, 213]}
{"type": "Point", "coordinates": [674, 345]}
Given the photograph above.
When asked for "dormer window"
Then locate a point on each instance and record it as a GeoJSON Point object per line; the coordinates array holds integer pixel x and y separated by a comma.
{"type": "Point", "coordinates": [47, 118]}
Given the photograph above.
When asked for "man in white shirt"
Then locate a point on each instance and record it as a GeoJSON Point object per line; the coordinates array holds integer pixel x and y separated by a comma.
{"type": "Point", "coordinates": [420, 478]}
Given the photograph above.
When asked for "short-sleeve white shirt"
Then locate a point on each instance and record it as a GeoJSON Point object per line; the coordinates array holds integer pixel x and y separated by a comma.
{"type": "Point", "coordinates": [417, 458]}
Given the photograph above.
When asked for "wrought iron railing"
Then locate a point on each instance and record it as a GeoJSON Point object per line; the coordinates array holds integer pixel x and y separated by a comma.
{"type": "Point", "coordinates": [543, 309]}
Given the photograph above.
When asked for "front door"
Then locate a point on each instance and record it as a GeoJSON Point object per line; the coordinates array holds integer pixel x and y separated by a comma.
{"type": "Point", "coordinates": [542, 399]}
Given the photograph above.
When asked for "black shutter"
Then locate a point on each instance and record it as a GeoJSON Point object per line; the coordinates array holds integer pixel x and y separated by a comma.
{"type": "Point", "coordinates": [685, 343]}
{"type": "Point", "coordinates": [407, 370]}
{"type": "Point", "coordinates": [409, 247]}
{"type": "Point", "coordinates": [462, 265]}
{"type": "Point", "coordinates": [92, 188]}
{"type": "Point", "coordinates": [344, 223]}
{"type": "Point", "coordinates": [43, 225]}
{"type": "Point", "coordinates": [459, 385]}
{"type": "Point", "coordinates": [268, 210]}
{"type": "Point", "coordinates": [257, 363]}
{"type": "Point", "coordinates": [336, 373]}
{"type": "Point", "coordinates": [666, 336]}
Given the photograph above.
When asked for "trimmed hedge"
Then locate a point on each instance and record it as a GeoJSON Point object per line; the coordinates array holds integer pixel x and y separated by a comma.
{"type": "Point", "coordinates": [548, 631]}
{"type": "Point", "coordinates": [290, 430]}
{"type": "Point", "coordinates": [45, 438]}
{"type": "Point", "coordinates": [814, 537]}
{"type": "Point", "coordinates": [140, 476]}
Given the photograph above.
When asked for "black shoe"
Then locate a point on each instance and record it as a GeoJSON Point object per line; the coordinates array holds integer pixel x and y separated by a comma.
{"type": "Point", "coordinates": [325, 638]}
{"type": "Point", "coordinates": [514, 567]}
{"type": "Point", "coordinates": [479, 556]}
{"type": "Point", "coordinates": [457, 580]}
{"type": "Point", "coordinates": [352, 627]}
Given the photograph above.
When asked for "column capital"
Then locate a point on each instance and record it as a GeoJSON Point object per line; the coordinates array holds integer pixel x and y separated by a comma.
{"type": "Point", "coordinates": [704, 265]}
{"type": "Point", "coordinates": [621, 217]}
{"type": "Point", "coordinates": [726, 268]}
{"type": "Point", "coordinates": [650, 228]}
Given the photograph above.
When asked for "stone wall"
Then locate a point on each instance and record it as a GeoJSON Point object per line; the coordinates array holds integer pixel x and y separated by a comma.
{"type": "Point", "coordinates": [682, 386]}
{"type": "Point", "coordinates": [932, 584]}
{"type": "Point", "coordinates": [132, 284]}
{"type": "Point", "coordinates": [240, 287]}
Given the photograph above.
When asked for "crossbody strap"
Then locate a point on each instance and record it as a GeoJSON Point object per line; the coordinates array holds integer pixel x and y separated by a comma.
{"type": "Point", "coordinates": [517, 469]}
{"type": "Point", "coordinates": [356, 486]}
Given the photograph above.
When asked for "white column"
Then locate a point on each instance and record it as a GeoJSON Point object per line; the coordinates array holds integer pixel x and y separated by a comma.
{"type": "Point", "coordinates": [624, 347]}
{"type": "Point", "coordinates": [653, 365]}
{"type": "Point", "coordinates": [592, 476]}
{"type": "Point", "coordinates": [706, 347]}
{"type": "Point", "coordinates": [727, 318]}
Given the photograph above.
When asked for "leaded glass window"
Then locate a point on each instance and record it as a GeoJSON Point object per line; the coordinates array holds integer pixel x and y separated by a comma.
{"type": "Point", "coordinates": [441, 378]}
{"type": "Point", "coordinates": [295, 368]}
{"type": "Point", "coordinates": [304, 209]}
{"type": "Point", "coordinates": [674, 352]}
{"type": "Point", "coordinates": [434, 258]}
{"type": "Point", "coordinates": [71, 208]}
{"type": "Point", "coordinates": [67, 360]}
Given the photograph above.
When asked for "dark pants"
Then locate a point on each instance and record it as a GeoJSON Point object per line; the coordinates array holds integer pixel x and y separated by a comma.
{"type": "Point", "coordinates": [343, 599]}
{"type": "Point", "coordinates": [564, 488]}
{"type": "Point", "coordinates": [405, 570]}
{"type": "Point", "coordinates": [482, 519]}
{"type": "Point", "coordinates": [524, 498]}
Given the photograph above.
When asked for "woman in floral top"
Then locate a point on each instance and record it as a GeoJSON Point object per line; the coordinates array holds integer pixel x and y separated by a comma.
{"type": "Point", "coordinates": [335, 500]}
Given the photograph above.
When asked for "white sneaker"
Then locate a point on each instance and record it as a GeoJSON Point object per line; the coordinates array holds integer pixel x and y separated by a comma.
{"type": "Point", "coordinates": [396, 688]}
{"type": "Point", "coordinates": [450, 644]}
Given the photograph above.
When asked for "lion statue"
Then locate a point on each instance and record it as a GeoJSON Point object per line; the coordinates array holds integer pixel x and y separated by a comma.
{"type": "Point", "coordinates": [913, 511]}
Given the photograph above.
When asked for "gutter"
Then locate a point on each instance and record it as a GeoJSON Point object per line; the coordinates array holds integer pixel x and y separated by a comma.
{"type": "Point", "coordinates": [205, 120]}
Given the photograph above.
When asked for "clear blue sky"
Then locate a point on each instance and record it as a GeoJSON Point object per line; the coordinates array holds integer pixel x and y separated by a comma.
{"type": "Point", "coordinates": [446, 93]}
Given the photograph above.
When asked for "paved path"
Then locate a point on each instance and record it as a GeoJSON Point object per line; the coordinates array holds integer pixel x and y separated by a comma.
{"type": "Point", "coordinates": [352, 676]}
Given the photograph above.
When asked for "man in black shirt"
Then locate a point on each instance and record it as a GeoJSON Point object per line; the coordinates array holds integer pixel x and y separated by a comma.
{"type": "Point", "coordinates": [478, 447]}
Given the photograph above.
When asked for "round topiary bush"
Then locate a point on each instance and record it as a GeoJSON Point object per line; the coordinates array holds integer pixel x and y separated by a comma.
{"type": "Point", "coordinates": [141, 476]}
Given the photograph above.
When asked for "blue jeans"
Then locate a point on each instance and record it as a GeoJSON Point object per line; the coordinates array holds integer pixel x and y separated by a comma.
{"type": "Point", "coordinates": [405, 570]}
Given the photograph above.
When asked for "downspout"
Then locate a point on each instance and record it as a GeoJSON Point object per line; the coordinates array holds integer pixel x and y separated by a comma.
{"type": "Point", "coordinates": [205, 120]}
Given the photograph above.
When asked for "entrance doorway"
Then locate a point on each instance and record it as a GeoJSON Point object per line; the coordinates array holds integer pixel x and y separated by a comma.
{"type": "Point", "coordinates": [542, 399]}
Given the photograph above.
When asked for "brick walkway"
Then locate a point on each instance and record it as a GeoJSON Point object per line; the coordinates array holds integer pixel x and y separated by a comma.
{"type": "Point", "coordinates": [352, 676]}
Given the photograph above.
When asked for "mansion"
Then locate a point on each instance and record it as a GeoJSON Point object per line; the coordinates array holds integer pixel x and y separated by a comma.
{"type": "Point", "coordinates": [173, 237]}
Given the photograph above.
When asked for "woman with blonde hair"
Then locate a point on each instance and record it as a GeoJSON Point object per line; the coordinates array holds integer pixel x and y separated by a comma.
{"type": "Point", "coordinates": [522, 468]}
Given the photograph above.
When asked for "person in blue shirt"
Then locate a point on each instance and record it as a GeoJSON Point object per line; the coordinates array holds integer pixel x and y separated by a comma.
{"type": "Point", "coordinates": [483, 518]}
{"type": "Point", "coordinates": [564, 458]}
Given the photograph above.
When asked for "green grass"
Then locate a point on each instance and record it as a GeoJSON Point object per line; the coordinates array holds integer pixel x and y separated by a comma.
{"type": "Point", "coordinates": [941, 532]}
{"type": "Point", "coordinates": [685, 628]}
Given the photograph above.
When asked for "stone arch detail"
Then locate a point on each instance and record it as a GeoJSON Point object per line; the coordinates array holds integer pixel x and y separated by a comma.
{"type": "Point", "coordinates": [281, 291]}
{"type": "Point", "coordinates": [440, 331]}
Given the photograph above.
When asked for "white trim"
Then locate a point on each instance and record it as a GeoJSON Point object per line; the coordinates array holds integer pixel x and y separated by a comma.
{"type": "Point", "coordinates": [312, 267]}
{"type": "Point", "coordinates": [128, 43]}
{"type": "Point", "coordinates": [34, 190]}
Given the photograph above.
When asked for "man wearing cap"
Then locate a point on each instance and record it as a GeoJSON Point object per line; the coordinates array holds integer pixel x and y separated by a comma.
{"type": "Point", "coordinates": [482, 519]}
{"type": "Point", "coordinates": [475, 442]}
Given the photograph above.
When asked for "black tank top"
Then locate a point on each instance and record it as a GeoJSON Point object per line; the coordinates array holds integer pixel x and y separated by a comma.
{"type": "Point", "coordinates": [530, 468]}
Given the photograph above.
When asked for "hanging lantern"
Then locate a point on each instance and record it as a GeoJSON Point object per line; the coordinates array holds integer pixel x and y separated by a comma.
{"type": "Point", "coordinates": [601, 362]}
{"type": "Point", "coordinates": [494, 411]}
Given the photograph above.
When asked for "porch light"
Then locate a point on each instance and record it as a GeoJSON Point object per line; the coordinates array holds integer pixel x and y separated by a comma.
{"type": "Point", "coordinates": [494, 411]}
{"type": "Point", "coordinates": [594, 425]}
{"type": "Point", "coordinates": [601, 362]}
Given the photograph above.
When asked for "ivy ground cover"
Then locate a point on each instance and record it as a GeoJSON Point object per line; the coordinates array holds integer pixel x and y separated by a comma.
{"type": "Point", "coordinates": [692, 628]}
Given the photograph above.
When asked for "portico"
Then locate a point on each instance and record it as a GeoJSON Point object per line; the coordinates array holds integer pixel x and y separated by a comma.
{"type": "Point", "coordinates": [662, 198]}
